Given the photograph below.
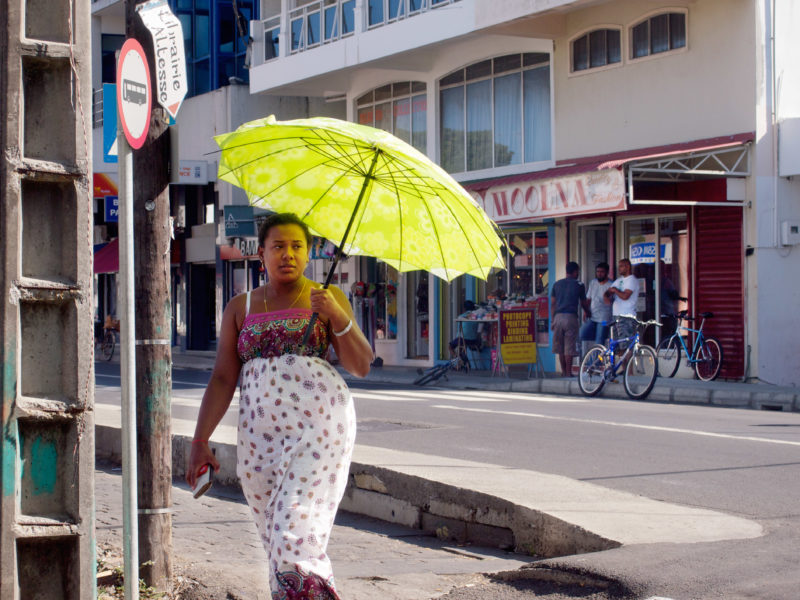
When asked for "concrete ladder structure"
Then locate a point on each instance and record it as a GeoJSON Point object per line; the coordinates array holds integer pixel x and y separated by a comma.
{"type": "Point", "coordinates": [47, 544]}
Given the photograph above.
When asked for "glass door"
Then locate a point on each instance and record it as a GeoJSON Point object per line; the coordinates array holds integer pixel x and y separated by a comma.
{"type": "Point", "coordinates": [593, 246]}
{"type": "Point", "coordinates": [658, 248]}
{"type": "Point", "coordinates": [417, 307]}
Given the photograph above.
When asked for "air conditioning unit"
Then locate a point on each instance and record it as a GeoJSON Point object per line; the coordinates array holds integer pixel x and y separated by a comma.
{"type": "Point", "coordinates": [790, 233]}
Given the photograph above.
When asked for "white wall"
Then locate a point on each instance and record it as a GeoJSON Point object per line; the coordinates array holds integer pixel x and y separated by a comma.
{"type": "Point", "coordinates": [703, 92]}
{"type": "Point", "coordinates": [223, 110]}
{"type": "Point", "coordinates": [773, 269]}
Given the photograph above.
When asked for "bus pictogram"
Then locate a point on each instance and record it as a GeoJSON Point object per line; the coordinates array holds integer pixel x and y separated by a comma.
{"type": "Point", "coordinates": [133, 91]}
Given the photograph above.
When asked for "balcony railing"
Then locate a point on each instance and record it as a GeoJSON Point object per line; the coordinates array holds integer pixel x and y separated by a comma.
{"type": "Point", "coordinates": [324, 21]}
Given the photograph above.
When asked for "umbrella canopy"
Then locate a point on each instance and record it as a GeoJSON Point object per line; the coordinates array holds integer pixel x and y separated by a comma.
{"type": "Point", "coordinates": [366, 190]}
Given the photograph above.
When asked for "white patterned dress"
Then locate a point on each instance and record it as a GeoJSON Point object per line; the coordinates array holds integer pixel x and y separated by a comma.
{"type": "Point", "coordinates": [296, 435]}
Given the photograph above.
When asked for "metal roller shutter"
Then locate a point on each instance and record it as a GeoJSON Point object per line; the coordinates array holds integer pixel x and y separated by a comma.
{"type": "Point", "coordinates": [719, 281]}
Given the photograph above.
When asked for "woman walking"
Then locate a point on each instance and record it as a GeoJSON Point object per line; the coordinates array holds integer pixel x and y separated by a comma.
{"type": "Point", "coordinates": [296, 415]}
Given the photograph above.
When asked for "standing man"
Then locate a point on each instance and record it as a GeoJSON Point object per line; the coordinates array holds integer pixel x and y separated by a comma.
{"type": "Point", "coordinates": [624, 293]}
{"type": "Point", "coordinates": [594, 330]}
{"type": "Point", "coordinates": [567, 294]}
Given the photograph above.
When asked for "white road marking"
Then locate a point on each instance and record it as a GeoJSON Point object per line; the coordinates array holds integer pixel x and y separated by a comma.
{"type": "Point", "coordinates": [495, 396]}
{"type": "Point", "coordinates": [726, 436]}
{"type": "Point", "coordinates": [117, 378]}
{"type": "Point", "coordinates": [367, 396]}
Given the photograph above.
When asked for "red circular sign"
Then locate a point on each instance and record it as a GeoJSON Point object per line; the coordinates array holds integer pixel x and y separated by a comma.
{"type": "Point", "coordinates": [134, 96]}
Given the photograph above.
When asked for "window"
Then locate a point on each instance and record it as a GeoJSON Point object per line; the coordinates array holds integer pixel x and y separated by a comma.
{"type": "Point", "coordinates": [109, 45]}
{"type": "Point", "coordinates": [660, 33]}
{"type": "Point", "coordinates": [597, 48]}
{"type": "Point", "coordinates": [399, 108]}
{"type": "Point", "coordinates": [215, 41]}
{"type": "Point", "coordinates": [496, 113]}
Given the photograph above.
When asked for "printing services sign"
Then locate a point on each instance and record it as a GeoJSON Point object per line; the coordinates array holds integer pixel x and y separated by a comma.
{"type": "Point", "coordinates": [518, 336]}
{"type": "Point", "coordinates": [539, 199]}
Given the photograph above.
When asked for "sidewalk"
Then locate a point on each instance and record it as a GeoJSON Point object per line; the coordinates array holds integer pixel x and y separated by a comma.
{"type": "Point", "coordinates": [687, 391]}
{"type": "Point", "coordinates": [217, 552]}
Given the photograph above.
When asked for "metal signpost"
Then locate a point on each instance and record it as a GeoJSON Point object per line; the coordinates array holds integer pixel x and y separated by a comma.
{"type": "Point", "coordinates": [133, 102]}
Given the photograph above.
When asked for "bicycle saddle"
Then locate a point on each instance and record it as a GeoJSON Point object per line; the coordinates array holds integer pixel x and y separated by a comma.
{"type": "Point", "coordinates": [707, 315]}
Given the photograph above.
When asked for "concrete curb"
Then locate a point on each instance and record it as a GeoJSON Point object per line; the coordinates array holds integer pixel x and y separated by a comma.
{"type": "Point", "coordinates": [448, 511]}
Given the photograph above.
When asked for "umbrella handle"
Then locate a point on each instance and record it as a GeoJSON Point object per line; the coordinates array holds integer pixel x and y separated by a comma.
{"type": "Point", "coordinates": [340, 249]}
{"type": "Point", "coordinates": [315, 315]}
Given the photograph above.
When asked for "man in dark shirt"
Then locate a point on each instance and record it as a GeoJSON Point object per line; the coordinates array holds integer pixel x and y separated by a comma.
{"type": "Point", "coordinates": [567, 294]}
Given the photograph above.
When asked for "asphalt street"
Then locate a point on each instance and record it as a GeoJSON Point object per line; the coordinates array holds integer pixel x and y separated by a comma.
{"type": "Point", "coordinates": [741, 462]}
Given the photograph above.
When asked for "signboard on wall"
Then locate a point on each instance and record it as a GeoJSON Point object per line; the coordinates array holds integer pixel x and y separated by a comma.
{"type": "Point", "coordinates": [191, 172]}
{"type": "Point", "coordinates": [539, 199]}
{"type": "Point", "coordinates": [517, 329]}
{"type": "Point", "coordinates": [239, 220]}
{"type": "Point", "coordinates": [112, 209]}
{"type": "Point", "coordinates": [645, 253]}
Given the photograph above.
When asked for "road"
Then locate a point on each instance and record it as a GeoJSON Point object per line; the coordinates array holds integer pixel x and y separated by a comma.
{"type": "Point", "coordinates": [736, 461]}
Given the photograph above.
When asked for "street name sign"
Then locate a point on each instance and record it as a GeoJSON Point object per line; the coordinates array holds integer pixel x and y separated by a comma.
{"type": "Point", "coordinates": [133, 92]}
{"type": "Point", "coordinates": [170, 58]}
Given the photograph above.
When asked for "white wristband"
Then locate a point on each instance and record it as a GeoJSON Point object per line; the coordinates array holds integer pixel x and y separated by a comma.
{"type": "Point", "coordinates": [345, 330]}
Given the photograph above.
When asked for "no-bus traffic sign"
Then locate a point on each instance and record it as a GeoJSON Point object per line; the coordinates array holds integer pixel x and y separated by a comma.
{"type": "Point", "coordinates": [133, 92]}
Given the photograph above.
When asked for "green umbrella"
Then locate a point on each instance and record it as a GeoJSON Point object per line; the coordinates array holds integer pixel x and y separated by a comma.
{"type": "Point", "coordinates": [366, 190]}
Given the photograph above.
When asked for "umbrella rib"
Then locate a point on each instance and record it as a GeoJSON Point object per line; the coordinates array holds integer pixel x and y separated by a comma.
{"type": "Point", "coordinates": [470, 214]}
{"type": "Point", "coordinates": [332, 159]}
{"type": "Point", "coordinates": [291, 179]}
{"type": "Point", "coordinates": [321, 196]}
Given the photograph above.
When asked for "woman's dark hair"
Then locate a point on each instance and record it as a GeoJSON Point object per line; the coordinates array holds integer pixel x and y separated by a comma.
{"type": "Point", "coordinates": [282, 219]}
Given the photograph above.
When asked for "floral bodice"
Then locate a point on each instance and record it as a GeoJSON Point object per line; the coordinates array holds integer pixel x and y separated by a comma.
{"type": "Point", "coordinates": [273, 334]}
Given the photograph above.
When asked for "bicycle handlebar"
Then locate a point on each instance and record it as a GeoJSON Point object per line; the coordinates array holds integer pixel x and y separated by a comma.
{"type": "Point", "coordinates": [638, 322]}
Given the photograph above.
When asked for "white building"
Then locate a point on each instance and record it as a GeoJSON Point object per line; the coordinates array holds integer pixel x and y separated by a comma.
{"type": "Point", "coordinates": [208, 267]}
{"type": "Point", "coordinates": [590, 130]}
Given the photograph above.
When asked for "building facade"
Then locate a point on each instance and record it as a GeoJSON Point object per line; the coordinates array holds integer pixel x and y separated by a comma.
{"type": "Point", "coordinates": [590, 131]}
{"type": "Point", "coordinates": [207, 267]}
{"type": "Point", "coordinates": [664, 132]}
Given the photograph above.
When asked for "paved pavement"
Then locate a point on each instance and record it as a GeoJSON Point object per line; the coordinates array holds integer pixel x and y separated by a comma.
{"type": "Point", "coordinates": [215, 543]}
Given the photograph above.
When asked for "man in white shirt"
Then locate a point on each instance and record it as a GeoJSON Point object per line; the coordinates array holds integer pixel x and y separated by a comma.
{"type": "Point", "coordinates": [624, 293]}
{"type": "Point", "coordinates": [595, 329]}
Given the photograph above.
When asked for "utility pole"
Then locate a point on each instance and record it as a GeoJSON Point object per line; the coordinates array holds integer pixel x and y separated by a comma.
{"type": "Point", "coordinates": [153, 333]}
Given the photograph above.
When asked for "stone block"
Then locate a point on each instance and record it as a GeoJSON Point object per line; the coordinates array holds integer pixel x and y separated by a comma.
{"type": "Point", "coordinates": [729, 397]}
{"type": "Point", "coordinates": [692, 395]}
{"type": "Point", "coordinates": [368, 481]}
{"type": "Point", "coordinates": [380, 506]}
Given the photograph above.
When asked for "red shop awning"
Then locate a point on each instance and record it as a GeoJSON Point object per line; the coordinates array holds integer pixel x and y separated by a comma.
{"type": "Point", "coordinates": [106, 259]}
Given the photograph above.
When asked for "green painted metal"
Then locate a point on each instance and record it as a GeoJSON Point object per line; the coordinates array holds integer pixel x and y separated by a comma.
{"type": "Point", "coordinates": [43, 466]}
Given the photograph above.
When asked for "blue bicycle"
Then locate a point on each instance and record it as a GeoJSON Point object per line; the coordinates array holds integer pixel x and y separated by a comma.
{"type": "Point", "coordinates": [706, 353]}
{"type": "Point", "coordinates": [639, 364]}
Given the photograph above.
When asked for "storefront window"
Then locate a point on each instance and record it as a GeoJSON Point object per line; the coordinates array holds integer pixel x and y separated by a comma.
{"type": "Point", "coordinates": [527, 277]}
{"type": "Point", "coordinates": [386, 311]}
{"type": "Point", "coordinates": [663, 275]}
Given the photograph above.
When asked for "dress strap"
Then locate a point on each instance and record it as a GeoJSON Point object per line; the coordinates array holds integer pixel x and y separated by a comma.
{"type": "Point", "coordinates": [247, 308]}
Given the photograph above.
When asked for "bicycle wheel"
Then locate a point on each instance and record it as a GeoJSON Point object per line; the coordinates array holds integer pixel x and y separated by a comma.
{"type": "Point", "coordinates": [108, 345]}
{"type": "Point", "coordinates": [432, 374]}
{"type": "Point", "coordinates": [591, 375]}
{"type": "Point", "coordinates": [641, 372]}
{"type": "Point", "coordinates": [709, 359]}
{"type": "Point", "coordinates": [669, 357]}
